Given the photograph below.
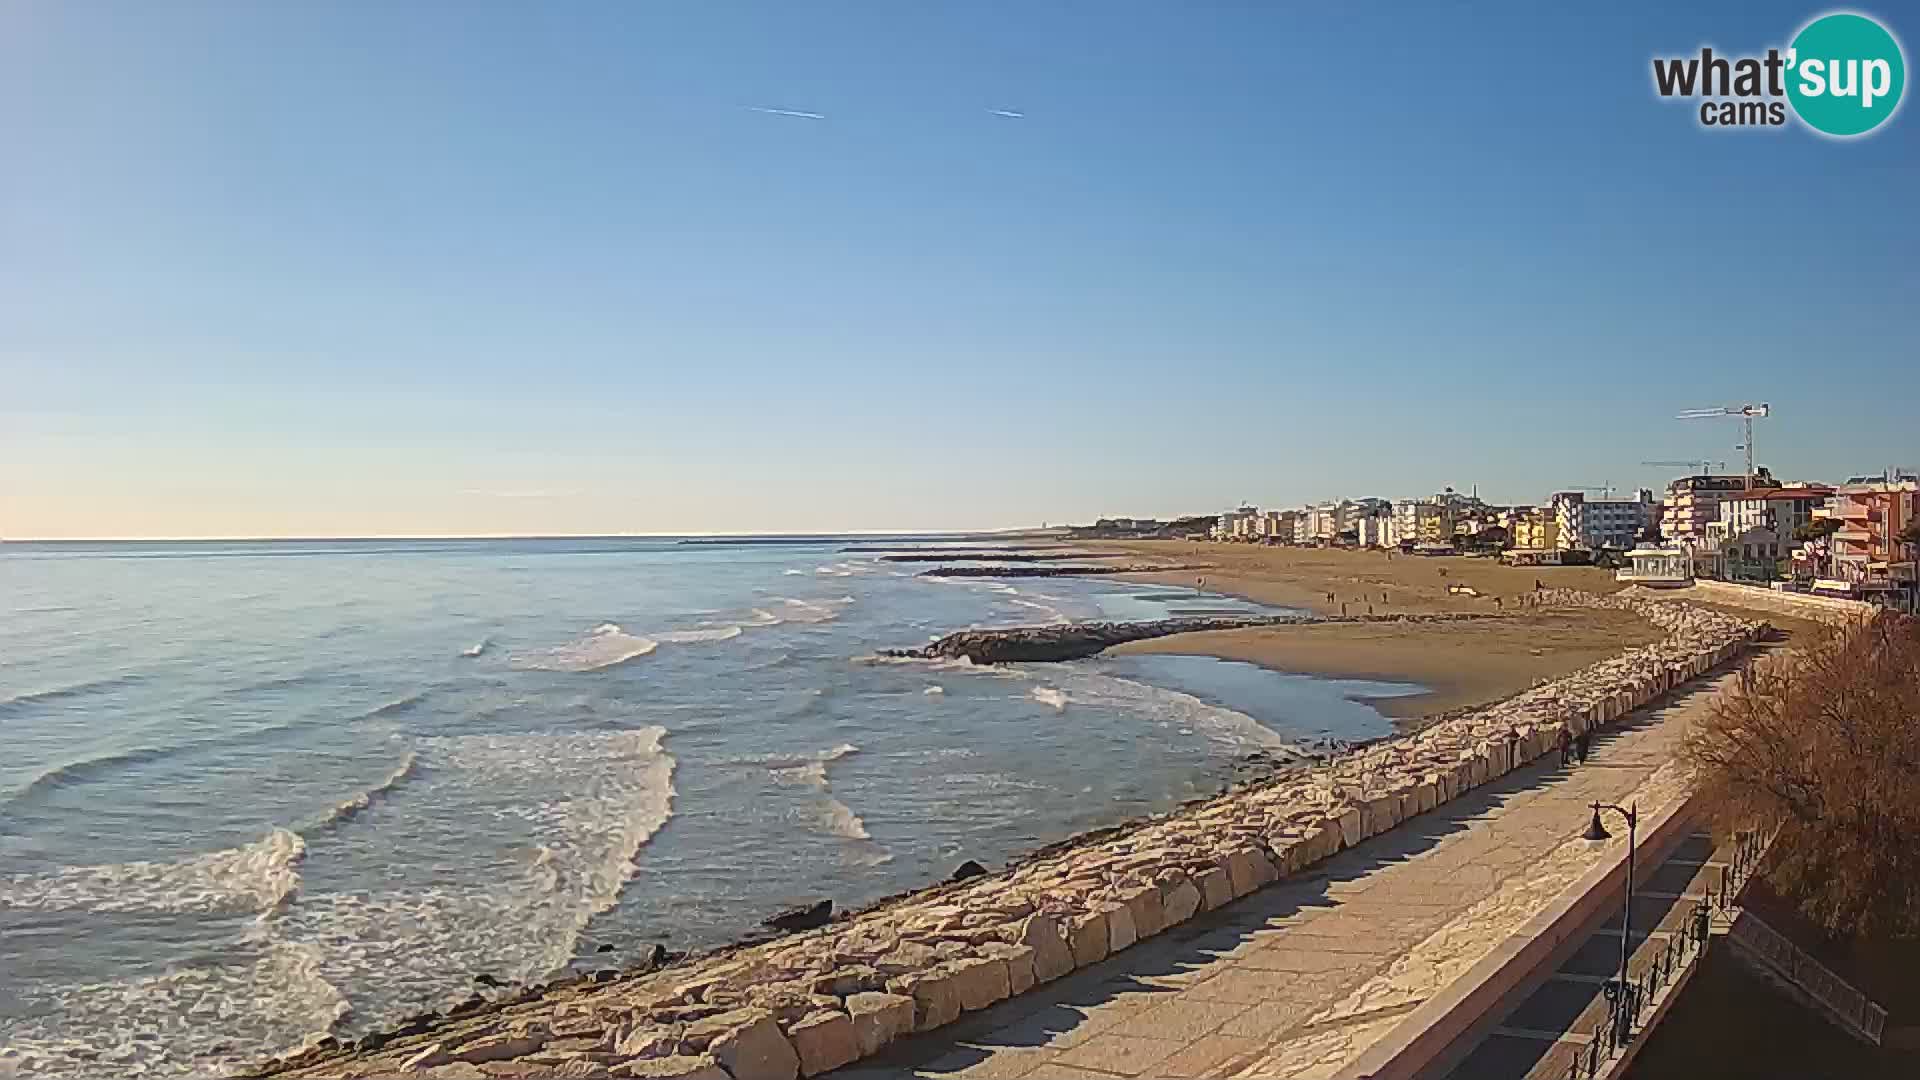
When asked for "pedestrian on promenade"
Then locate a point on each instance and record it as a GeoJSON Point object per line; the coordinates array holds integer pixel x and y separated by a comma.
{"type": "Point", "coordinates": [1584, 743]}
{"type": "Point", "coordinates": [1566, 745]}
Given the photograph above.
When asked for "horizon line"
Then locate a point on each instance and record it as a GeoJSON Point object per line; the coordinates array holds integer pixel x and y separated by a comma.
{"type": "Point", "coordinates": [723, 535]}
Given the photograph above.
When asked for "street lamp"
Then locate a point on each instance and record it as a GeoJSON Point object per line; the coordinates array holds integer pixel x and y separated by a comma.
{"type": "Point", "coordinates": [1597, 833]}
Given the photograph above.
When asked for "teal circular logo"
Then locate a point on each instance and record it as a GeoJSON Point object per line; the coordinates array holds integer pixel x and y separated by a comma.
{"type": "Point", "coordinates": [1845, 74]}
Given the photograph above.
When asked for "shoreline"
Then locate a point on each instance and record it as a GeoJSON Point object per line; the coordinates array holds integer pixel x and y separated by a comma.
{"type": "Point", "coordinates": [1463, 665]}
{"type": "Point", "coordinates": [821, 998]}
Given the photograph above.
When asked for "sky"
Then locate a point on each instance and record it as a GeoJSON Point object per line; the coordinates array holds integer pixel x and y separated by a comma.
{"type": "Point", "coordinates": [356, 268]}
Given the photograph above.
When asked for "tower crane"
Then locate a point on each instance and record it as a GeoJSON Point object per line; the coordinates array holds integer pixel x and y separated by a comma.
{"type": "Point", "coordinates": [1746, 413]}
{"type": "Point", "coordinates": [1696, 466]}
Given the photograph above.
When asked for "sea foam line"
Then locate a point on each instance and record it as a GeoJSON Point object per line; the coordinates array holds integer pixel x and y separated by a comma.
{"type": "Point", "coordinates": [254, 878]}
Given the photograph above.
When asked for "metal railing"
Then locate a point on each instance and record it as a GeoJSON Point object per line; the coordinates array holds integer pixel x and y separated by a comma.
{"type": "Point", "coordinates": [1621, 1020]}
{"type": "Point", "coordinates": [1834, 993]}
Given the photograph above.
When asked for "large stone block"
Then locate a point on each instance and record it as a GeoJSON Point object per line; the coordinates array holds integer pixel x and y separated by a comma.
{"type": "Point", "coordinates": [1121, 932]}
{"type": "Point", "coordinates": [750, 1046]}
{"type": "Point", "coordinates": [1087, 937]}
{"type": "Point", "coordinates": [1019, 961]}
{"type": "Point", "coordinates": [1350, 827]}
{"type": "Point", "coordinates": [980, 981]}
{"type": "Point", "coordinates": [1052, 955]}
{"type": "Point", "coordinates": [824, 1041]}
{"type": "Point", "coordinates": [1180, 902]}
{"type": "Point", "coordinates": [1216, 887]}
{"type": "Point", "coordinates": [936, 1000]}
{"type": "Point", "coordinates": [878, 1019]}
{"type": "Point", "coordinates": [1143, 903]}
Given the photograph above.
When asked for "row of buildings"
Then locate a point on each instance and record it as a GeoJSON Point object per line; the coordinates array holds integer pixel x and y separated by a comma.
{"type": "Point", "coordinates": [1858, 538]}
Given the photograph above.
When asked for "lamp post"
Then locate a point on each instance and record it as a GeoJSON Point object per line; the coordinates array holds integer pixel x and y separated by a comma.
{"type": "Point", "coordinates": [1597, 832]}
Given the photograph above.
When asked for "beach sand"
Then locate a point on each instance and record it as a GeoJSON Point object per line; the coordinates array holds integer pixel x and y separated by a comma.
{"type": "Point", "coordinates": [1464, 663]}
{"type": "Point", "coordinates": [1460, 663]}
{"type": "Point", "coordinates": [1302, 577]}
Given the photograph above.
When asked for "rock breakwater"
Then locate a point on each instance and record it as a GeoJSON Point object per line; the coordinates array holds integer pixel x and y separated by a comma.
{"type": "Point", "coordinates": [1055, 570]}
{"type": "Point", "coordinates": [1074, 641]}
{"type": "Point", "coordinates": [813, 1001]}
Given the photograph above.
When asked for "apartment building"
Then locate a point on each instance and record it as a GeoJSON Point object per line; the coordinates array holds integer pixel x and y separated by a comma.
{"type": "Point", "coordinates": [1782, 509]}
{"type": "Point", "coordinates": [1537, 531]}
{"type": "Point", "coordinates": [1593, 524]}
{"type": "Point", "coordinates": [1693, 501]}
{"type": "Point", "coordinates": [1866, 553]}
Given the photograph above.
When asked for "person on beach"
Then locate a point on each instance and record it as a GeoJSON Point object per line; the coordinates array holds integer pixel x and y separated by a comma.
{"type": "Point", "coordinates": [1583, 744]}
{"type": "Point", "coordinates": [1566, 745]}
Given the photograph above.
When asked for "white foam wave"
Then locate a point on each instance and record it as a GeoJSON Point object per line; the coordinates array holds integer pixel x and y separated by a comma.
{"type": "Point", "coordinates": [805, 611]}
{"type": "Point", "coordinates": [841, 821]}
{"type": "Point", "coordinates": [198, 1021]}
{"type": "Point", "coordinates": [253, 878]}
{"type": "Point", "coordinates": [1047, 695]}
{"type": "Point", "coordinates": [794, 573]}
{"type": "Point", "coordinates": [932, 691]}
{"type": "Point", "coordinates": [350, 808]}
{"type": "Point", "coordinates": [689, 637]}
{"type": "Point", "coordinates": [604, 646]}
{"type": "Point", "coordinates": [571, 815]}
{"type": "Point", "coordinates": [477, 647]}
{"type": "Point", "coordinates": [1227, 727]}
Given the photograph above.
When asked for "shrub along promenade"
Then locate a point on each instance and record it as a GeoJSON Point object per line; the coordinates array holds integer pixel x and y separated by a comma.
{"type": "Point", "coordinates": [821, 999]}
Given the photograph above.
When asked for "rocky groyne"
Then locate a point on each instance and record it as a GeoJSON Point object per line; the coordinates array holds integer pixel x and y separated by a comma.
{"type": "Point", "coordinates": [1053, 570]}
{"type": "Point", "coordinates": [999, 556]}
{"type": "Point", "coordinates": [1074, 641]}
{"type": "Point", "coordinates": [821, 998]}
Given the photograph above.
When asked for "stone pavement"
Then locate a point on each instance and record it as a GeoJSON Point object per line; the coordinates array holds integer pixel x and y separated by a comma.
{"type": "Point", "coordinates": [1297, 979]}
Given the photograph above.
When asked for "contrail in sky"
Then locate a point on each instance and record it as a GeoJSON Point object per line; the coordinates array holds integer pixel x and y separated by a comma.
{"type": "Point", "coordinates": [1008, 113]}
{"type": "Point", "coordinates": [786, 112]}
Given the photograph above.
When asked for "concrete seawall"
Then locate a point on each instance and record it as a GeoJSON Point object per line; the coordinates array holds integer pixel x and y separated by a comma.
{"type": "Point", "coordinates": [821, 999]}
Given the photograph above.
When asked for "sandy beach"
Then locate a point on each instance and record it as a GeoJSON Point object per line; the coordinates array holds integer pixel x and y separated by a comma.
{"type": "Point", "coordinates": [1460, 663]}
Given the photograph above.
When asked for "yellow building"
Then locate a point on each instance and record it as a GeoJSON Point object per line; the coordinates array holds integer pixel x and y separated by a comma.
{"type": "Point", "coordinates": [1538, 531]}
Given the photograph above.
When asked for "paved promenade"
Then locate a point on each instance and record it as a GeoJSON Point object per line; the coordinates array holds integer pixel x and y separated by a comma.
{"type": "Point", "coordinates": [1296, 980]}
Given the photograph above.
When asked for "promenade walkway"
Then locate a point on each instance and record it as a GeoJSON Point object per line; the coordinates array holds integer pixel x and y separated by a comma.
{"type": "Point", "coordinates": [1296, 980]}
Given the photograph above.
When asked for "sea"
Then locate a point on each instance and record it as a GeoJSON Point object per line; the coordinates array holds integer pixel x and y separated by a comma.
{"type": "Point", "coordinates": [254, 793]}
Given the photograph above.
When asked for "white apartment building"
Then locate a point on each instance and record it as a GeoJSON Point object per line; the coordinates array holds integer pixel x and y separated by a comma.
{"type": "Point", "coordinates": [1593, 524]}
{"type": "Point", "coordinates": [1782, 509]}
{"type": "Point", "coordinates": [1694, 501]}
{"type": "Point", "coordinates": [1374, 530]}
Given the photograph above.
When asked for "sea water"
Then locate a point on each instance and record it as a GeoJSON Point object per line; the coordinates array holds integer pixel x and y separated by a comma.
{"type": "Point", "coordinates": [252, 793]}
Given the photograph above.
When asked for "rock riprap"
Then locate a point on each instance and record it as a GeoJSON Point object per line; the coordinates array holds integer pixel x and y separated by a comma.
{"type": "Point", "coordinates": [1074, 641]}
{"type": "Point", "coordinates": [815, 1000]}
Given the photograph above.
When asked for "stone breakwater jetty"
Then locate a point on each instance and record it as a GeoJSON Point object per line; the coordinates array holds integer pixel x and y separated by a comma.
{"type": "Point", "coordinates": [1057, 571]}
{"type": "Point", "coordinates": [999, 556]}
{"type": "Point", "coordinates": [1074, 641]}
{"type": "Point", "coordinates": [819, 999]}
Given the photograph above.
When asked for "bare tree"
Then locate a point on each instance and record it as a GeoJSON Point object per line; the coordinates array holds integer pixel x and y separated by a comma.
{"type": "Point", "coordinates": [1824, 743]}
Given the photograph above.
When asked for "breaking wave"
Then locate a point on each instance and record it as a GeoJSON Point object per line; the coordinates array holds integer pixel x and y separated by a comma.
{"type": "Point", "coordinates": [1047, 695]}
{"type": "Point", "coordinates": [351, 808]}
{"type": "Point", "coordinates": [688, 637]}
{"type": "Point", "coordinates": [604, 646]}
{"type": "Point", "coordinates": [201, 1020]}
{"type": "Point", "coordinates": [477, 647]}
{"type": "Point", "coordinates": [258, 877]}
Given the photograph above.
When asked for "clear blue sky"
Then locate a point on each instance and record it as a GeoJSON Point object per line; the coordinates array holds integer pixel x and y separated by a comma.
{"type": "Point", "coordinates": [420, 268]}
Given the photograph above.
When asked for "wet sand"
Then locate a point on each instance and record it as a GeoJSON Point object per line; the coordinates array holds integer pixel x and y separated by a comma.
{"type": "Point", "coordinates": [1461, 664]}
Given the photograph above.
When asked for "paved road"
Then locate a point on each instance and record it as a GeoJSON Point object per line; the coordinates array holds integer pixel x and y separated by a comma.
{"type": "Point", "coordinates": [1298, 979]}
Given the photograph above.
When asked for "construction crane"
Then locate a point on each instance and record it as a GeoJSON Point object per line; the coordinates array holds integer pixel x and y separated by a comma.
{"type": "Point", "coordinates": [1746, 413]}
{"type": "Point", "coordinates": [1696, 466]}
